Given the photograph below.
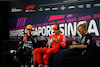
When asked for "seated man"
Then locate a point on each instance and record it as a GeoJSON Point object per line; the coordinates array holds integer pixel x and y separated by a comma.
{"type": "Point", "coordinates": [53, 44]}
{"type": "Point", "coordinates": [75, 49]}
{"type": "Point", "coordinates": [26, 45]}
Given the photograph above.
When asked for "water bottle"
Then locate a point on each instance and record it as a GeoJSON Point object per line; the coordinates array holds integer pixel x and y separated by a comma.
{"type": "Point", "coordinates": [49, 45]}
{"type": "Point", "coordinates": [14, 57]}
{"type": "Point", "coordinates": [32, 65]}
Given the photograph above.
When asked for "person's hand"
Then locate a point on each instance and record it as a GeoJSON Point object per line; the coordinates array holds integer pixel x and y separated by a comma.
{"type": "Point", "coordinates": [71, 46]}
{"type": "Point", "coordinates": [57, 40]}
{"type": "Point", "coordinates": [74, 43]}
{"type": "Point", "coordinates": [54, 39]}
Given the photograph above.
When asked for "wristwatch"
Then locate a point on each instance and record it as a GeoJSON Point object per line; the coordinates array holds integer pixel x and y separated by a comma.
{"type": "Point", "coordinates": [75, 46]}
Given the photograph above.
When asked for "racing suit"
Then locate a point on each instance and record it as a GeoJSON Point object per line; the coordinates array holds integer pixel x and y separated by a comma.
{"type": "Point", "coordinates": [24, 49]}
{"type": "Point", "coordinates": [55, 46]}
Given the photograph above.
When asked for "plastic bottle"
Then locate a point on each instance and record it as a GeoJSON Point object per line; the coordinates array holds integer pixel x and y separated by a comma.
{"type": "Point", "coordinates": [49, 45]}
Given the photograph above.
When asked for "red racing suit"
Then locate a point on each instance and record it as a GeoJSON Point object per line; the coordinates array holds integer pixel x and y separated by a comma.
{"type": "Point", "coordinates": [48, 51]}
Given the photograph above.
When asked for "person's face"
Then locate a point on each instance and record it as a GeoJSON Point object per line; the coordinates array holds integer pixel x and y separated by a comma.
{"type": "Point", "coordinates": [81, 31]}
{"type": "Point", "coordinates": [28, 31]}
{"type": "Point", "coordinates": [56, 31]}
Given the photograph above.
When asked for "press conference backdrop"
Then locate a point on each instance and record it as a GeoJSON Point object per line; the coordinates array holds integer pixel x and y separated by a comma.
{"type": "Point", "coordinates": [44, 14]}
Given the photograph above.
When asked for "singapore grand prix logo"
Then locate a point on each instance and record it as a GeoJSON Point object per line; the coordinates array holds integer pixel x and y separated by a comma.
{"type": "Point", "coordinates": [30, 8]}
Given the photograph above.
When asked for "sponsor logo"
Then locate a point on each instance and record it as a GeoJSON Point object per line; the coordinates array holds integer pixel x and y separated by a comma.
{"type": "Point", "coordinates": [14, 9]}
{"type": "Point", "coordinates": [30, 8]}
{"type": "Point", "coordinates": [55, 8]}
{"type": "Point", "coordinates": [80, 6]}
{"type": "Point", "coordinates": [40, 9]}
{"type": "Point", "coordinates": [58, 37]}
{"type": "Point", "coordinates": [47, 9]}
{"type": "Point", "coordinates": [71, 7]}
{"type": "Point", "coordinates": [62, 7]}
{"type": "Point", "coordinates": [88, 5]}
{"type": "Point", "coordinates": [29, 41]}
{"type": "Point", "coordinates": [96, 5]}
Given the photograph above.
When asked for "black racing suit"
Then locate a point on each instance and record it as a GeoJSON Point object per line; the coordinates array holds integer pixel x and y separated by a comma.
{"type": "Point", "coordinates": [24, 49]}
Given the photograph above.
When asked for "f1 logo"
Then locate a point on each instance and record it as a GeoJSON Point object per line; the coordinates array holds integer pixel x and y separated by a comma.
{"type": "Point", "coordinates": [30, 7]}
